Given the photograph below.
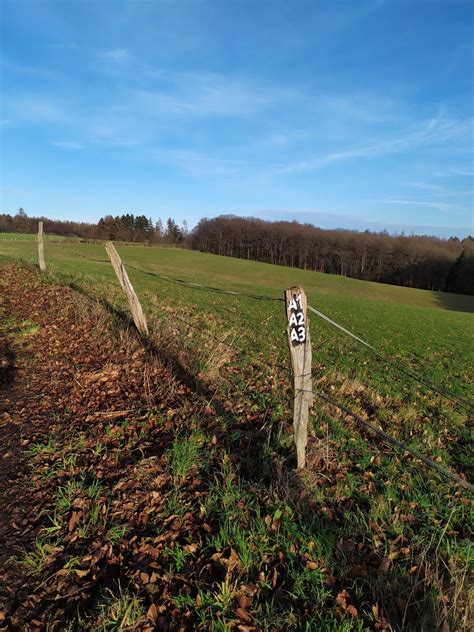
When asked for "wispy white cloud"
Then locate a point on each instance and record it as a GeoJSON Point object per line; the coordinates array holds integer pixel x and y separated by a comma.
{"type": "Point", "coordinates": [435, 130]}
{"type": "Point", "coordinates": [359, 107]}
{"type": "Point", "coordinates": [196, 94]}
{"type": "Point", "coordinates": [117, 55]}
{"type": "Point", "coordinates": [25, 70]}
{"type": "Point", "coordinates": [425, 186]}
{"type": "Point", "coordinates": [463, 172]}
{"type": "Point", "coordinates": [67, 144]}
{"type": "Point", "coordinates": [197, 164]}
{"type": "Point", "coordinates": [436, 191]}
{"type": "Point", "coordinates": [455, 172]}
{"type": "Point", "coordinates": [33, 108]}
{"type": "Point", "coordinates": [14, 191]}
{"type": "Point", "coordinates": [445, 207]}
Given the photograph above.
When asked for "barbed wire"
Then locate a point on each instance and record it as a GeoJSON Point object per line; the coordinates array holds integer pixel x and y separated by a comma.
{"type": "Point", "coordinates": [392, 440]}
{"type": "Point", "coordinates": [451, 396]}
{"type": "Point", "coordinates": [454, 398]}
{"type": "Point", "coordinates": [207, 288]}
{"type": "Point", "coordinates": [224, 342]}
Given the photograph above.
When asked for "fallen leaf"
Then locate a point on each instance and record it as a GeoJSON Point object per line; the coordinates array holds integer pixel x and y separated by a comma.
{"type": "Point", "coordinates": [243, 601]}
{"type": "Point", "coordinates": [341, 599]}
{"type": "Point", "coordinates": [152, 613]}
{"type": "Point", "coordinates": [74, 519]}
{"type": "Point", "coordinates": [242, 614]}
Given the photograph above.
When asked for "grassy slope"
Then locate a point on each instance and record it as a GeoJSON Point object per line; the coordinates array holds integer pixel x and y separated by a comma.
{"type": "Point", "coordinates": [429, 331]}
{"type": "Point", "coordinates": [206, 267]}
{"type": "Point", "coordinates": [432, 330]}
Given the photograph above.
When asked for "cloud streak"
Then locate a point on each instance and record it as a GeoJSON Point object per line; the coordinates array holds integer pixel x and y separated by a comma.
{"type": "Point", "coordinates": [67, 144]}
{"type": "Point", "coordinates": [33, 108]}
{"type": "Point", "coordinates": [197, 164]}
{"type": "Point", "coordinates": [206, 95]}
{"type": "Point", "coordinates": [445, 207]}
{"type": "Point", "coordinates": [117, 55]}
{"type": "Point", "coordinates": [436, 130]}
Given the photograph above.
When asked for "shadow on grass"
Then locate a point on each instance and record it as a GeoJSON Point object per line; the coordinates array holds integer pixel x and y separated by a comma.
{"type": "Point", "coordinates": [455, 302]}
{"type": "Point", "coordinates": [7, 366]}
{"type": "Point", "coordinates": [7, 357]}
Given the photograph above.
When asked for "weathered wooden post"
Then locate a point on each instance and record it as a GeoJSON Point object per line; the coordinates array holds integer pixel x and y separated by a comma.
{"type": "Point", "coordinates": [42, 264]}
{"type": "Point", "coordinates": [300, 352]}
{"type": "Point", "coordinates": [135, 306]}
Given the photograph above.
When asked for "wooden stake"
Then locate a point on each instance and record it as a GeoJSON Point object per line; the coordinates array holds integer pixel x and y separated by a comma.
{"type": "Point", "coordinates": [300, 352]}
{"type": "Point", "coordinates": [135, 307]}
{"type": "Point", "coordinates": [42, 264]}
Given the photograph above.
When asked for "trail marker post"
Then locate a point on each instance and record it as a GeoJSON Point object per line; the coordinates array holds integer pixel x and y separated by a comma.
{"type": "Point", "coordinates": [300, 351]}
{"type": "Point", "coordinates": [135, 306]}
{"type": "Point", "coordinates": [42, 264]}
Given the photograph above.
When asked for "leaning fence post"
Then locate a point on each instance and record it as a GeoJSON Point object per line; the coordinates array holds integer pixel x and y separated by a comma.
{"type": "Point", "coordinates": [42, 264]}
{"type": "Point", "coordinates": [135, 307]}
{"type": "Point", "coordinates": [300, 352]}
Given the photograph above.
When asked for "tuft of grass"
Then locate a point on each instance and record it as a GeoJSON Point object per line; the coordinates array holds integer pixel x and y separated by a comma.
{"type": "Point", "coordinates": [184, 453]}
{"type": "Point", "coordinates": [28, 328]}
{"type": "Point", "coordinates": [34, 560]}
{"type": "Point", "coordinates": [177, 555]}
{"type": "Point", "coordinates": [118, 612]}
{"type": "Point", "coordinates": [51, 446]}
{"type": "Point", "coordinates": [116, 532]}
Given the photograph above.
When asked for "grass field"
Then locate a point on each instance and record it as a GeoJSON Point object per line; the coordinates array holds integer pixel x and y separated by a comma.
{"type": "Point", "coordinates": [381, 505]}
{"type": "Point", "coordinates": [430, 331]}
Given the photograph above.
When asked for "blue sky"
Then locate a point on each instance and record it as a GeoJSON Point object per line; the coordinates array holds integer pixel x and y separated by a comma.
{"type": "Point", "coordinates": [342, 114]}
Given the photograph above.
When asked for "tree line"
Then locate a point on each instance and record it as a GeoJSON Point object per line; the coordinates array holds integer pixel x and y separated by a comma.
{"type": "Point", "coordinates": [125, 227]}
{"type": "Point", "coordinates": [414, 261]}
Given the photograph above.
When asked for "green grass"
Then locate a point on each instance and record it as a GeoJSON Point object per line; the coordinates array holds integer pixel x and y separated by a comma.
{"type": "Point", "coordinates": [119, 612]}
{"type": "Point", "coordinates": [429, 332]}
{"type": "Point", "coordinates": [185, 453]}
{"type": "Point", "coordinates": [35, 559]}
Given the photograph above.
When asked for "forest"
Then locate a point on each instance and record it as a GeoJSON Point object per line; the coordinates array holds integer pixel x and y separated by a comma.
{"type": "Point", "coordinates": [417, 261]}
{"type": "Point", "coordinates": [126, 227]}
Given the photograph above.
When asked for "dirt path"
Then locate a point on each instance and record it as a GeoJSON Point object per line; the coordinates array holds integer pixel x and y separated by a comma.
{"type": "Point", "coordinates": [68, 383]}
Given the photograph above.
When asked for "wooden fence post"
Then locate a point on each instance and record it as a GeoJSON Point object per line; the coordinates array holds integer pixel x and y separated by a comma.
{"type": "Point", "coordinates": [300, 352]}
{"type": "Point", "coordinates": [42, 264]}
{"type": "Point", "coordinates": [135, 307]}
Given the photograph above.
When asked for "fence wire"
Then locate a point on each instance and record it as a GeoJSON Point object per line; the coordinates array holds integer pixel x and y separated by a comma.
{"type": "Point", "coordinates": [454, 398]}
{"type": "Point", "coordinates": [401, 445]}
{"type": "Point", "coordinates": [449, 395]}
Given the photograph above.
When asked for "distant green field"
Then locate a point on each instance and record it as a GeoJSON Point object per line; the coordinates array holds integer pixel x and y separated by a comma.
{"type": "Point", "coordinates": [28, 237]}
